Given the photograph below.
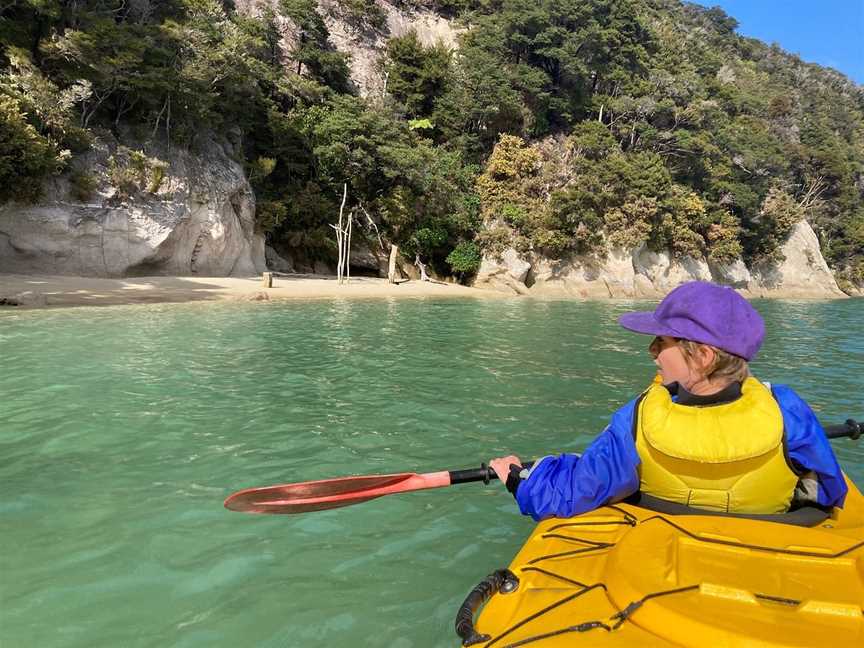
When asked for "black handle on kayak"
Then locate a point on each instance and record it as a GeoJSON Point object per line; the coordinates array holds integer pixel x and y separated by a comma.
{"type": "Point", "coordinates": [850, 428]}
{"type": "Point", "coordinates": [501, 580]}
{"type": "Point", "coordinates": [483, 473]}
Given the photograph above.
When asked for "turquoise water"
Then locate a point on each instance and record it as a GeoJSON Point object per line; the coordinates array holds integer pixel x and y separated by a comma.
{"type": "Point", "coordinates": [122, 429]}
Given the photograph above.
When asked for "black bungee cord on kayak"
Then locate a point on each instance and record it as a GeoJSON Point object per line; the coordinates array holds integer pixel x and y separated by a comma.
{"type": "Point", "coordinates": [619, 618]}
{"type": "Point", "coordinates": [504, 581]}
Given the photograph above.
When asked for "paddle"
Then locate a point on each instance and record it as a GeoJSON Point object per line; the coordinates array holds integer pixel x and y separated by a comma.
{"type": "Point", "coordinates": [344, 491]}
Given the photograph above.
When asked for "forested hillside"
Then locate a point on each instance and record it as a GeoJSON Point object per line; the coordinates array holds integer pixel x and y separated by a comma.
{"type": "Point", "coordinates": [556, 127]}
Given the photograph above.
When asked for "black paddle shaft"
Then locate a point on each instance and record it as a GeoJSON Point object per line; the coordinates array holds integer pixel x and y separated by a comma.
{"type": "Point", "coordinates": [850, 428]}
{"type": "Point", "coordinates": [483, 473]}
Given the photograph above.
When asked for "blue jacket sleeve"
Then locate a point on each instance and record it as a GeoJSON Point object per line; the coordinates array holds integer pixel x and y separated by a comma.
{"type": "Point", "coordinates": [808, 446]}
{"type": "Point", "coordinates": [570, 484]}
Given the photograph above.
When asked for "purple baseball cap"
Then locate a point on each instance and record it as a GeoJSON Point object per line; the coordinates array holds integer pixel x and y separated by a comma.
{"type": "Point", "coordinates": [703, 312]}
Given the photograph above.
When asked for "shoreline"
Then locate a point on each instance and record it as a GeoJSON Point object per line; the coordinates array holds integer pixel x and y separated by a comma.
{"type": "Point", "coordinates": [25, 292]}
{"type": "Point", "coordinates": [18, 292]}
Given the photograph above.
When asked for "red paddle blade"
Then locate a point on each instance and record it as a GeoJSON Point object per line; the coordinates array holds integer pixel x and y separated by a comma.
{"type": "Point", "coordinates": [329, 493]}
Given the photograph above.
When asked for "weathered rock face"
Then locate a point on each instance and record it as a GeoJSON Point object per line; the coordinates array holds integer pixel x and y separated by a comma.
{"type": "Point", "coordinates": [506, 272]}
{"type": "Point", "coordinates": [585, 277]}
{"type": "Point", "coordinates": [643, 273]}
{"type": "Point", "coordinates": [804, 272]}
{"type": "Point", "coordinates": [277, 262]}
{"type": "Point", "coordinates": [365, 47]}
{"type": "Point", "coordinates": [366, 71]}
{"type": "Point", "coordinates": [200, 219]}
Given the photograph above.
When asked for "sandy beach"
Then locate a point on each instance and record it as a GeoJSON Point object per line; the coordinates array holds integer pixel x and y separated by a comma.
{"type": "Point", "coordinates": [33, 291]}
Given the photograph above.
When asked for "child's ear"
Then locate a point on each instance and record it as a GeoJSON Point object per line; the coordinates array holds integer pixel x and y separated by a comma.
{"type": "Point", "coordinates": [706, 356]}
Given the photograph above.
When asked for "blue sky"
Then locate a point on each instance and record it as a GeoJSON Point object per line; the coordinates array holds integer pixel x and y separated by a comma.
{"type": "Point", "coordinates": [827, 32]}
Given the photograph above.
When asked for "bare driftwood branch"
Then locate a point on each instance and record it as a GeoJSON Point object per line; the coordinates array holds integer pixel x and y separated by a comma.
{"type": "Point", "coordinates": [341, 232]}
{"type": "Point", "coordinates": [373, 226]}
{"type": "Point", "coordinates": [813, 196]}
{"type": "Point", "coordinates": [340, 235]}
{"type": "Point", "coordinates": [422, 266]}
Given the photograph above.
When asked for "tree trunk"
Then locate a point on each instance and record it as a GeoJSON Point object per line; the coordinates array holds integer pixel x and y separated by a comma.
{"type": "Point", "coordinates": [341, 235]}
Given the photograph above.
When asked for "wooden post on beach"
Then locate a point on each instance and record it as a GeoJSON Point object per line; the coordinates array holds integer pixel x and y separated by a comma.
{"type": "Point", "coordinates": [391, 268]}
{"type": "Point", "coordinates": [267, 279]}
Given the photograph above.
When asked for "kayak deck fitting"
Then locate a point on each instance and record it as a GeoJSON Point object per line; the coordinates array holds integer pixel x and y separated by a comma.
{"type": "Point", "coordinates": [623, 575]}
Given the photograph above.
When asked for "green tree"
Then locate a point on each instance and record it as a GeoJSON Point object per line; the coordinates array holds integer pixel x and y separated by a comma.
{"type": "Point", "coordinates": [465, 258]}
{"type": "Point", "coordinates": [416, 75]}
{"type": "Point", "coordinates": [313, 52]}
{"type": "Point", "coordinates": [26, 158]}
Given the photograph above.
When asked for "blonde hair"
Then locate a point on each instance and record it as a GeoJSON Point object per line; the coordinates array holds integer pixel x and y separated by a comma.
{"type": "Point", "coordinates": [726, 367]}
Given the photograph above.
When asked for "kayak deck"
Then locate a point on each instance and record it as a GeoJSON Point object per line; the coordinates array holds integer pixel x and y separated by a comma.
{"type": "Point", "coordinates": [623, 575]}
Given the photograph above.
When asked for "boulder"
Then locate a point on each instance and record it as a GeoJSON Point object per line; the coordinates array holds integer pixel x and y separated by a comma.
{"type": "Point", "coordinates": [277, 262]}
{"type": "Point", "coordinates": [369, 258]}
{"type": "Point", "coordinates": [28, 298]}
{"type": "Point", "coordinates": [734, 273]}
{"type": "Point", "coordinates": [664, 272]}
{"type": "Point", "coordinates": [257, 296]}
{"type": "Point", "coordinates": [507, 272]}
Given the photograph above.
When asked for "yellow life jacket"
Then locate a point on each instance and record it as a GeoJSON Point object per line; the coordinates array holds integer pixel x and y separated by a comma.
{"type": "Point", "coordinates": [726, 457]}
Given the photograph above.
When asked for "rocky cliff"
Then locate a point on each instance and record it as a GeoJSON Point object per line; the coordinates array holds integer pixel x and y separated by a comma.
{"type": "Point", "coordinates": [642, 273]}
{"type": "Point", "coordinates": [125, 213]}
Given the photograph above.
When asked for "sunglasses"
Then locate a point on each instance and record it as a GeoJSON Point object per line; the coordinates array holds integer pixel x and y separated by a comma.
{"type": "Point", "coordinates": [658, 345]}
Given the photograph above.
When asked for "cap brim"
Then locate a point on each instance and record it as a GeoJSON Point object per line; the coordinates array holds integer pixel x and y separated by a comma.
{"type": "Point", "coordinates": [644, 322]}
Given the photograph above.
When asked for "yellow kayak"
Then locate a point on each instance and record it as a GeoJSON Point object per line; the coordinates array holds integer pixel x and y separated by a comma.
{"type": "Point", "coordinates": [624, 575]}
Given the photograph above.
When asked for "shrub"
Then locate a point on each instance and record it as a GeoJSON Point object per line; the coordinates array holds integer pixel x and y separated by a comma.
{"type": "Point", "coordinates": [510, 191]}
{"type": "Point", "coordinates": [495, 240]}
{"type": "Point", "coordinates": [363, 14]}
{"type": "Point", "coordinates": [122, 176]}
{"type": "Point", "coordinates": [629, 225]}
{"type": "Point", "coordinates": [131, 171]}
{"type": "Point", "coordinates": [260, 168]}
{"type": "Point", "coordinates": [781, 211]}
{"type": "Point", "coordinates": [157, 174]}
{"type": "Point", "coordinates": [574, 210]}
{"type": "Point", "coordinates": [465, 258]}
{"type": "Point", "coordinates": [82, 185]}
{"type": "Point", "coordinates": [592, 140]}
{"type": "Point", "coordinates": [679, 229]}
{"type": "Point", "coordinates": [723, 243]}
{"type": "Point", "coordinates": [514, 215]}
{"type": "Point", "coordinates": [270, 214]}
{"type": "Point", "coordinates": [26, 157]}
{"type": "Point", "coordinates": [552, 243]}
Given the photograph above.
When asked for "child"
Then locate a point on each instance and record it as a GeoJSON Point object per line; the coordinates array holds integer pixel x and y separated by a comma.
{"type": "Point", "coordinates": [706, 434]}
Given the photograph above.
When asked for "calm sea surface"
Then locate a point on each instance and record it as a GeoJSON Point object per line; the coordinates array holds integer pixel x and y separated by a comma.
{"type": "Point", "coordinates": [122, 430]}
